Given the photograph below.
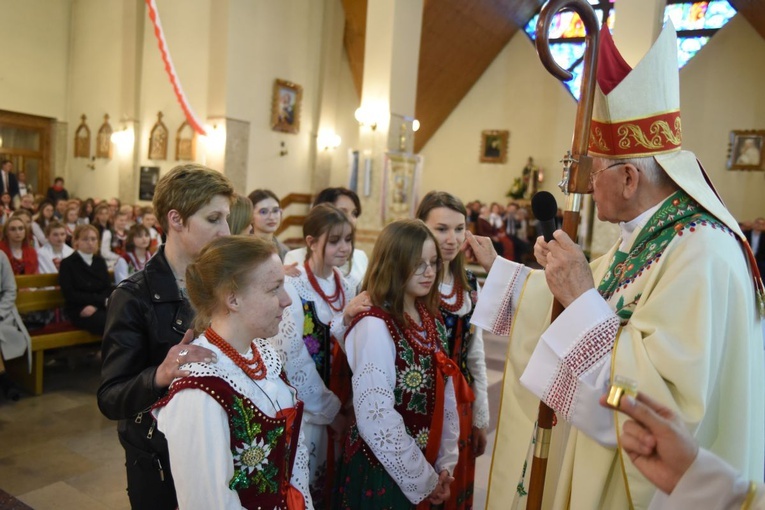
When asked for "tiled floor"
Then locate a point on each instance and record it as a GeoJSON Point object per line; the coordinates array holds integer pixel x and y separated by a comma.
{"type": "Point", "coordinates": [57, 452]}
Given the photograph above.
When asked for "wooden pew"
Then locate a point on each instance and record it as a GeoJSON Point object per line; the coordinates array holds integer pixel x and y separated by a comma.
{"type": "Point", "coordinates": [45, 296]}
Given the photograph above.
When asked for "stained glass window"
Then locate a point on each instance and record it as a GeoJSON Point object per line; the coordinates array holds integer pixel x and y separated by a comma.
{"type": "Point", "coordinates": [696, 22]}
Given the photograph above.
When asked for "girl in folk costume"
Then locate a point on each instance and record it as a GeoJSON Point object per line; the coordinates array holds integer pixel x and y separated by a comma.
{"type": "Point", "coordinates": [308, 339]}
{"type": "Point", "coordinates": [149, 220]}
{"type": "Point", "coordinates": [114, 239]}
{"type": "Point", "coordinates": [17, 247]}
{"type": "Point", "coordinates": [348, 202]}
{"type": "Point", "coordinates": [233, 426]}
{"type": "Point", "coordinates": [136, 254]}
{"type": "Point", "coordinates": [445, 215]}
{"type": "Point", "coordinates": [402, 449]}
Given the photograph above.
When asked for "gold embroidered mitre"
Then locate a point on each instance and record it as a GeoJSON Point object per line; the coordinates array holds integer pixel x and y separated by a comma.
{"type": "Point", "coordinates": [636, 112]}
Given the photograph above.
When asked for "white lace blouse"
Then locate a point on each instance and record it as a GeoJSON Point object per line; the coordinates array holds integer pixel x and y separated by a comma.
{"type": "Point", "coordinates": [372, 357]}
{"type": "Point", "coordinates": [198, 434]}
{"type": "Point", "coordinates": [321, 405]}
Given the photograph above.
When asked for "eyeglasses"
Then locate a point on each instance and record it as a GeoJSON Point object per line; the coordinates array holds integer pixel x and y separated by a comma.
{"type": "Point", "coordinates": [423, 266]}
{"type": "Point", "coordinates": [593, 175]}
{"type": "Point", "coordinates": [276, 211]}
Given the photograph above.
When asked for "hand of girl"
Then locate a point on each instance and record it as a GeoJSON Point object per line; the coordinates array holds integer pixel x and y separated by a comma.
{"type": "Point", "coordinates": [360, 303]}
{"type": "Point", "coordinates": [479, 441]}
{"type": "Point", "coordinates": [339, 424]}
{"type": "Point", "coordinates": [88, 311]}
{"type": "Point", "coordinates": [291, 269]}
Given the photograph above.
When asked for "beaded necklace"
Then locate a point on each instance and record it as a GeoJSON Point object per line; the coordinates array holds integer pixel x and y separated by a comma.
{"type": "Point", "coordinates": [423, 335]}
{"type": "Point", "coordinates": [253, 367]}
{"type": "Point", "coordinates": [339, 294]}
{"type": "Point", "coordinates": [456, 290]}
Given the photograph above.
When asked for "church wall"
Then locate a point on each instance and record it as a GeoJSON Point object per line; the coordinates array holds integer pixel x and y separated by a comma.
{"type": "Point", "coordinates": [34, 57]}
{"type": "Point", "coordinates": [517, 94]}
{"type": "Point", "coordinates": [721, 91]}
{"type": "Point", "coordinates": [95, 80]}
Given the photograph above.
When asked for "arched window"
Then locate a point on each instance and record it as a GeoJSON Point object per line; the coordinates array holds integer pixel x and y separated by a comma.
{"type": "Point", "coordinates": [696, 22]}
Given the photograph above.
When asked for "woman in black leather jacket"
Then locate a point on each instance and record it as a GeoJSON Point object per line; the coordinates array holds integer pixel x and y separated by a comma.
{"type": "Point", "coordinates": [147, 328]}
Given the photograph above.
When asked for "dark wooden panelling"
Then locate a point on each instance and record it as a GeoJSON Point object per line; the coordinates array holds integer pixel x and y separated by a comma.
{"type": "Point", "coordinates": [460, 39]}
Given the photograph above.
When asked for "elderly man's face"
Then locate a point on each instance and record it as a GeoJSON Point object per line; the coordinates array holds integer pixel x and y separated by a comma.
{"type": "Point", "coordinates": [604, 182]}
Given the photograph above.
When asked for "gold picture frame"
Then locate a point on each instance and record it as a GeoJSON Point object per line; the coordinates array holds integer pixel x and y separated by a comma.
{"type": "Point", "coordinates": [745, 149]}
{"type": "Point", "coordinates": [82, 139]}
{"type": "Point", "coordinates": [494, 144]}
{"type": "Point", "coordinates": [285, 106]}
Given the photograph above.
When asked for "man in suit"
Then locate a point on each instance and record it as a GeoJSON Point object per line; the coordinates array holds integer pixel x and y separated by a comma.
{"type": "Point", "coordinates": [8, 181]}
{"type": "Point", "coordinates": [757, 242]}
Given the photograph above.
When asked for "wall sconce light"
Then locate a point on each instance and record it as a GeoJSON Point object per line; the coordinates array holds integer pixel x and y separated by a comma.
{"type": "Point", "coordinates": [327, 140]}
{"type": "Point", "coordinates": [415, 125]}
{"type": "Point", "coordinates": [215, 141]}
{"type": "Point", "coordinates": [365, 118]}
{"type": "Point", "coordinates": [124, 138]}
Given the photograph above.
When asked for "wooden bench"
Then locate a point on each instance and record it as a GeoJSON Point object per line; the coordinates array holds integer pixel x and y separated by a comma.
{"type": "Point", "coordinates": [38, 292]}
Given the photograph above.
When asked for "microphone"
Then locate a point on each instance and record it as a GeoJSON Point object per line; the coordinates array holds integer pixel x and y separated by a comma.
{"type": "Point", "coordinates": [545, 209]}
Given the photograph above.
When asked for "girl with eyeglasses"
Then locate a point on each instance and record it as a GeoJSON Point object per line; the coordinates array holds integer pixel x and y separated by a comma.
{"type": "Point", "coordinates": [445, 215]}
{"type": "Point", "coordinates": [402, 447]}
{"type": "Point", "coordinates": [310, 335]}
{"type": "Point", "coordinates": [266, 217]}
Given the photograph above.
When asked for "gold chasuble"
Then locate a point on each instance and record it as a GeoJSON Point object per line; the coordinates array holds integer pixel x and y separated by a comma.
{"type": "Point", "coordinates": [675, 309]}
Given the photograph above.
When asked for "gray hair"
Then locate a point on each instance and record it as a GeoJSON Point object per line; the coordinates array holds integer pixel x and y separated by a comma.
{"type": "Point", "coordinates": [651, 170]}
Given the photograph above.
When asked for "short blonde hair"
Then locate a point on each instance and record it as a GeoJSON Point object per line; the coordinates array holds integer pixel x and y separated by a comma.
{"type": "Point", "coordinates": [186, 189]}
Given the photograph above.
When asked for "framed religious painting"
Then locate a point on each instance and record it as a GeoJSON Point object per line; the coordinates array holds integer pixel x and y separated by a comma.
{"type": "Point", "coordinates": [494, 145]}
{"type": "Point", "coordinates": [285, 106]}
{"type": "Point", "coordinates": [745, 150]}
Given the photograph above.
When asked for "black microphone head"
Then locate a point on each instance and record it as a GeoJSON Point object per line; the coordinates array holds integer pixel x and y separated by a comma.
{"type": "Point", "coordinates": [544, 206]}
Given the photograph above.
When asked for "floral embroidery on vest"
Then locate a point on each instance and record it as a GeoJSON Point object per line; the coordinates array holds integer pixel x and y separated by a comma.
{"type": "Point", "coordinates": [251, 448]}
{"type": "Point", "coordinates": [317, 340]}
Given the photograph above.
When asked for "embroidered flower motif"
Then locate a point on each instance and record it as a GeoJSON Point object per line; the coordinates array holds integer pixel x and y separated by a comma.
{"type": "Point", "coordinates": [383, 437]}
{"type": "Point", "coordinates": [252, 457]}
{"type": "Point", "coordinates": [412, 378]}
{"type": "Point", "coordinates": [421, 438]}
{"type": "Point", "coordinates": [377, 412]}
{"type": "Point", "coordinates": [308, 325]}
{"type": "Point", "coordinates": [311, 344]}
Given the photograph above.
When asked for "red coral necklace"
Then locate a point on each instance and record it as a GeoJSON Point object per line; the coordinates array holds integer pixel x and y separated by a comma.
{"type": "Point", "coordinates": [338, 296]}
{"type": "Point", "coordinates": [456, 290]}
{"type": "Point", "coordinates": [423, 335]}
{"type": "Point", "coordinates": [253, 367]}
